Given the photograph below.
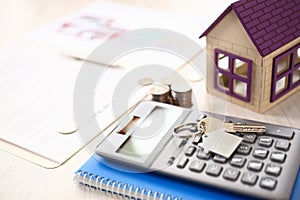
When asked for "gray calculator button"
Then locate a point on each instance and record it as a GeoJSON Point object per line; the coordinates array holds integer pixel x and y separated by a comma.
{"type": "Point", "coordinates": [197, 139]}
{"type": "Point", "coordinates": [201, 116]}
{"type": "Point", "coordinates": [197, 166]}
{"type": "Point", "coordinates": [194, 129]}
{"type": "Point", "coordinates": [249, 178]}
{"type": "Point", "coordinates": [255, 165]}
{"type": "Point", "coordinates": [273, 169]}
{"type": "Point", "coordinates": [190, 151]}
{"type": "Point", "coordinates": [238, 161]}
{"type": "Point", "coordinates": [171, 160]}
{"type": "Point", "coordinates": [265, 141]}
{"type": "Point", "coordinates": [249, 138]}
{"type": "Point", "coordinates": [268, 183]}
{"type": "Point", "coordinates": [260, 153]}
{"type": "Point", "coordinates": [278, 156]}
{"type": "Point", "coordinates": [244, 149]}
{"type": "Point", "coordinates": [282, 145]}
{"type": "Point", "coordinates": [214, 170]}
{"type": "Point", "coordinates": [182, 162]}
{"type": "Point", "coordinates": [203, 155]}
{"type": "Point", "coordinates": [219, 159]}
{"type": "Point", "coordinates": [231, 174]}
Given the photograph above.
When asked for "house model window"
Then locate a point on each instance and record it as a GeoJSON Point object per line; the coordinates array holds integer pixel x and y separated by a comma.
{"type": "Point", "coordinates": [286, 72]}
{"type": "Point", "coordinates": [256, 50]}
{"type": "Point", "coordinates": [233, 74]}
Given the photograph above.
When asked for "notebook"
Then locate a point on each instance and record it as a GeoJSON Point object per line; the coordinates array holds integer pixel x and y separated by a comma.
{"type": "Point", "coordinates": [100, 174]}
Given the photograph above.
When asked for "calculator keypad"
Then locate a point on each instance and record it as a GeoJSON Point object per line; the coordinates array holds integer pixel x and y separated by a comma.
{"type": "Point", "coordinates": [258, 162]}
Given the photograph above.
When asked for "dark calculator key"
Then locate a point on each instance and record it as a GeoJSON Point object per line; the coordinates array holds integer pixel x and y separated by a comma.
{"type": "Point", "coordinates": [273, 169]}
{"type": "Point", "coordinates": [197, 166]}
{"type": "Point", "coordinates": [268, 183]}
{"type": "Point", "coordinates": [219, 159]}
{"type": "Point", "coordinates": [214, 170]}
{"type": "Point", "coordinates": [278, 156]}
{"type": "Point", "coordinates": [231, 174]}
{"type": "Point", "coordinates": [249, 178]}
{"type": "Point", "coordinates": [182, 163]}
{"type": "Point", "coordinates": [244, 149]}
{"type": "Point", "coordinates": [203, 155]}
{"type": "Point", "coordinates": [283, 132]}
{"type": "Point", "coordinates": [249, 138]}
{"type": "Point", "coordinates": [190, 151]}
{"type": "Point", "coordinates": [238, 161]}
{"type": "Point", "coordinates": [265, 141]}
{"type": "Point", "coordinates": [255, 165]}
{"type": "Point", "coordinates": [282, 145]}
{"type": "Point", "coordinates": [260, 153]}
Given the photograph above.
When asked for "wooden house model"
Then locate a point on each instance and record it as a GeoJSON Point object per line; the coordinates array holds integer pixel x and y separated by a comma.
{"type": "Point", "coordinates": [255, 45]}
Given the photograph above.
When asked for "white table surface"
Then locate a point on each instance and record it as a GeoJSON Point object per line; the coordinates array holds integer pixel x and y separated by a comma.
{"type": "Point", "coordinates": [21, 179]}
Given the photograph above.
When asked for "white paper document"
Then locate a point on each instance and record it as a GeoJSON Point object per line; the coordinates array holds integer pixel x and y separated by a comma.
{"type": "Point", "coordinates": [37, 85]}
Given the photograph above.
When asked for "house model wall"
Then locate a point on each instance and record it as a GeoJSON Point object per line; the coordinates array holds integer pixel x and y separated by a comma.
{"type": "Point", "coordinates": [255, 45]}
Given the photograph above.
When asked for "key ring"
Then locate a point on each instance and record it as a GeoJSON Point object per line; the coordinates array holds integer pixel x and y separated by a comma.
{"type": "Point", "coordinates": [200, 129]}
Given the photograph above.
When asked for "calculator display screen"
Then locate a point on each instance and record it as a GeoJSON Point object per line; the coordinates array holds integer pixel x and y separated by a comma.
{"type": "Point", "coordinates": [149, 133]}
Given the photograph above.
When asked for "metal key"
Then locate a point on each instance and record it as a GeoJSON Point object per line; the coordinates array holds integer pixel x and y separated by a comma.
{"type": "Point", "coordinates": [210, 124]}
{"type": "Point", "coordinates": [217, 138]}
{"type": "Point", "coordinates": [244, 128]}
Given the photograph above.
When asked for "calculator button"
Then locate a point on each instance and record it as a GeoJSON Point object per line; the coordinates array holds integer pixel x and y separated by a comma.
{"type": "Point", "coordinates": [244, 149]}
{"type": "Point", "coordinates": [200, 117]}
{"type": "Point", "coordinates": [282, 145]}
{"type": "Point", "coordinates": [214, 170]}
{"type": "Point", "coordinates": [203, 155]}
{"type": "Point", "coordinates": [231, 174]}
{"type": "Point", "coordinates": [182, 163]}
{"type": "Point", "coordinates": [255, 165]}
{"type": "Point", "coordinates": [249, 178]}
{"type": "Point", "coordinates": [219, 159]}
{"type": "Point", "coordinates": [284, 133]}
{"type": "Point", "coordinates": [238, 161]}
{"type": "Point", "coordinates": [197, 166]}
{"type": "Point", "coordinates": [268, 183]}
{"type": "Point", "coordinates": [171, 160]}
{"type": "Point", "coordinates": [278, 156]}
{"type": "Point", "coordinates": [197, 139]}
{"type": "Point", "coordinates": [249, 138]}
{"type": "Point", "coordinates": [265, 141]}
{"type": "Point", "coordinates": [260, 153]}
{"type": "Point", "coordinates": [273, 169]}
{"type": "Point", "coordinates": [190, 151]}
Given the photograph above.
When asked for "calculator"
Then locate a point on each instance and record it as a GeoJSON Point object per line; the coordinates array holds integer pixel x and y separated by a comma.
{"type": "Point", "coordinates": [263, 165]}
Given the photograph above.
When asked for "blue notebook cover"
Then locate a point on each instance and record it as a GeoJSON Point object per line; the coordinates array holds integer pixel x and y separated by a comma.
{"type": "Point", "coordinates": [97, 173]}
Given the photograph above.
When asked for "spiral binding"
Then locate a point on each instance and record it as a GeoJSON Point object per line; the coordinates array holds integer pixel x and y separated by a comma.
{"type": "Point", "coordinates": [120, 189]}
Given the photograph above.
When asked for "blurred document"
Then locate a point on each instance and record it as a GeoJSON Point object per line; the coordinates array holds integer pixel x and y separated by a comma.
{"type": "Point", "coordinates": [80, 33]}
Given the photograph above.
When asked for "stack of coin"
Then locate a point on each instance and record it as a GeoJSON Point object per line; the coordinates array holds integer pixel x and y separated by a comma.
{"type": "Point", "coordinates": [160, 93]}
{"type": "Point", "coordinates": [181, 94]}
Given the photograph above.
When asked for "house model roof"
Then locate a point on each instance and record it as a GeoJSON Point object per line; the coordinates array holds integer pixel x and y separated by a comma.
{"type": "Point", "coordinates": [270, 24]}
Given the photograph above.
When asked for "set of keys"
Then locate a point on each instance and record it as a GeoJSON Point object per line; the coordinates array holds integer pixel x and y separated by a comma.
{"type": "Point", "coordinates": [216, 135]}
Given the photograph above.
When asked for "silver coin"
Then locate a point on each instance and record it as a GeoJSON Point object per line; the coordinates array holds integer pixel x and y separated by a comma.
{"type": "Point", "coordinates": [159, 89]}
{"type": "Point", "coordinates": [181, 87]}
{"type": "Point", "coordinates": [181, 93]}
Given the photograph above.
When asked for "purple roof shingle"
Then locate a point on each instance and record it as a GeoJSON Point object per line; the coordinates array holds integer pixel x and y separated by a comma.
{"type": "Point", "coordinates": [270, 24]}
